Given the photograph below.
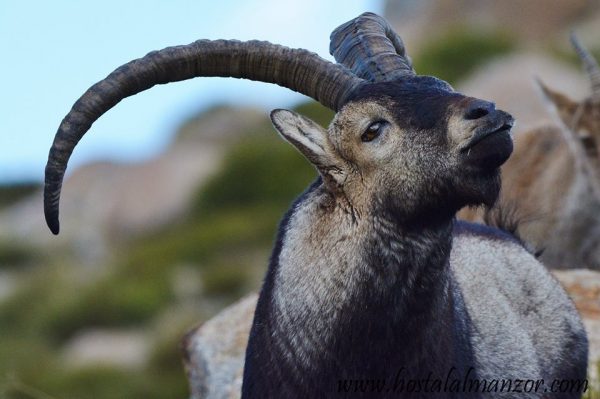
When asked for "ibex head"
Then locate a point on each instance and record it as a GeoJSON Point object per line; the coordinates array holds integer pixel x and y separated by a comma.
{"type": "Point", "coordinates": [580, 118]}
{"type": "Point", "coordinates": [404, 142]}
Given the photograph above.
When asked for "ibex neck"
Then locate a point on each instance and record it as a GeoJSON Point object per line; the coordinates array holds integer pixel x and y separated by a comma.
{"type": "Point", "coordinates": [408, 266]}
{"type": "Point", "coordinates": [349, 298]}
{"type": "Point", "coordinates": [383, 301]}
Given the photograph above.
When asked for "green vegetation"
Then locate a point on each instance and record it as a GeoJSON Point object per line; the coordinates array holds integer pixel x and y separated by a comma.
{"type": "Point", "coordinates": [259, 171]}
{"type": "Point", "coordinates": [94, 382]}
{"type": "Point", "coordinates": [9, 194]}
{"type": "Point", "coordinates": [458, 52]}
{"type": "Point", "coordinates": [593, 392]}
{"type": "Point", "coordinates": [568, 55]}
{"type": "Point", "coordinates": [14, 254]}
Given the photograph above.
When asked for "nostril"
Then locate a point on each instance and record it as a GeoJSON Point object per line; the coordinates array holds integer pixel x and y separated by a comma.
{"type": "Point", "coordinates": [479, 109]}
{"type": "Point", "coordinates": [476, 113]}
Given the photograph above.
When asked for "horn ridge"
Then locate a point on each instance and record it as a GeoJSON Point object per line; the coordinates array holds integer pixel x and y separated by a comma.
{"type": "Point", "coordinates": [371, 49]}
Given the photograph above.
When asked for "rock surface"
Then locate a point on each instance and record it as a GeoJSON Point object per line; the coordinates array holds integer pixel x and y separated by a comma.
{"type": "Point", "coordinates": [120, 348]}
{"type": "Point", "coordinates": [530, 21]}
{"type": "Point", "coordinates": [583, 286]}
{"type": "Point", "coordinates": [214, 352]}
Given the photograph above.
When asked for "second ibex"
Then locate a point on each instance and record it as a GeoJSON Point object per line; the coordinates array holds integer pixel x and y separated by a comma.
{"type": "Point", "coordinates": [371, 275]}
{"type": "Point", "coordinates": [552, 181]}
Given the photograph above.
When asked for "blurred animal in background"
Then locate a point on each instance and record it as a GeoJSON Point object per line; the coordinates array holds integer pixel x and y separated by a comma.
{"type": "Point", "coordinates": [371, 275]}
{"type": "Point", "coordinates": [551, 183]}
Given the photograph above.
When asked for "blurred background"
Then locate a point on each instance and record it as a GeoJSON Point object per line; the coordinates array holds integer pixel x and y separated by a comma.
{"type": "Point", "coordinates": [173, 198]}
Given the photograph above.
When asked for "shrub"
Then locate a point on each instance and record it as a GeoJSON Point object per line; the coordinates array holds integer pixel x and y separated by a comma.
{"type": "Point", "coordinates": [9, 194]}
{"type": "Point", "coordinates": [456, 54]}
{"type": "Point", "coordinates": [259, 170]}
{"type": "Point", "coordinates": [97, 382]}
{"type": "Point", "coordinates": [111, 302]}
{"type": "Point", "coordinates": [568, 55]}
{"type": "Point", "coordinates": [15, 254]}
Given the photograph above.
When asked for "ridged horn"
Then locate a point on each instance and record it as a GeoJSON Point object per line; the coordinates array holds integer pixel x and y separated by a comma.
{"type": "Point", "coordinates": [590, 64]}
{"type": "Point", "coordinates": [371, 49]}
{"type": "Point", "coordinates": [296, 69]}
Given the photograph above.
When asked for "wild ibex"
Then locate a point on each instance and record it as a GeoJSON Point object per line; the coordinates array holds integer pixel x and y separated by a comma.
{"type": "Point", "coordinates": [371, 277]}
{"type": "Point", "coordinates": [552, 181]}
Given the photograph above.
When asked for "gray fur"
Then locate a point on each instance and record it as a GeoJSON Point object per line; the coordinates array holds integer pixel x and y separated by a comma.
{"type": "Point", "coordinates": [514, 303]}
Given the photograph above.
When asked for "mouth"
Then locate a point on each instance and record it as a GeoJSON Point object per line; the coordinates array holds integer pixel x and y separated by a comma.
{"type": "Point", "coordinates": [486, 133]}
{"type": "Point", "coordinates": [490, 146]}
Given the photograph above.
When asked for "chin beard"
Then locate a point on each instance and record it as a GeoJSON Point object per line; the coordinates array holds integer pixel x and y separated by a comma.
{"type": "Point", "coordinates": [432, 206]}
{"type": "Point", "coordinates": [481, 189]}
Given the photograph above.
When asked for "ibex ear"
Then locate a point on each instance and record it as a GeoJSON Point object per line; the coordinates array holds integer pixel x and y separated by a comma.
{"type": "Point", "coordinates": [313, 142]}
{"type": "Point", "coordinates": [563, 106]}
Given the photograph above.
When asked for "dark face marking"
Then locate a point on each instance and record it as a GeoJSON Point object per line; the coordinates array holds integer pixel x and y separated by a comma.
{"type": "Point", "coordinates": [418, 102]}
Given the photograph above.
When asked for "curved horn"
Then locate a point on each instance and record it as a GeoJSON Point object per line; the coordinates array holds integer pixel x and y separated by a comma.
{"type": "Point", "coordinates": [371, 49]}
{"type": "Point", "coordinates": [590, 64]}
{"type": "Point", "coordinates": [296, 69]}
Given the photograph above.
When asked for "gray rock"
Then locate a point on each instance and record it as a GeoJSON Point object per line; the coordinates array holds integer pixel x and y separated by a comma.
{"type": "Point", "coordinates": [528, 21]}
{"type": "Point", "coordinates": [128, 349]}
{"type": "Point", "coordinates": [583, 286]}
{"type": "Point", "coordinates": [214, 352]}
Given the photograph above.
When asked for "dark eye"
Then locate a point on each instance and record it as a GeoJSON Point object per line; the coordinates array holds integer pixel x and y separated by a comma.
{"type": "Point", "coordinates": [372, 131]}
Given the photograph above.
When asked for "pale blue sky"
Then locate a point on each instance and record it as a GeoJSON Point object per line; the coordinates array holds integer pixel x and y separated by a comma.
{"type": "Point", "coordinates": [53, 51]}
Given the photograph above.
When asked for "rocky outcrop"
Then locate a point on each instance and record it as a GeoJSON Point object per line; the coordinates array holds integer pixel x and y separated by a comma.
{"type": "Point", "coordinates": [103, 203]}
{"type": "Point", "coordinates": [126, 349]}
{"type": "Point", "coordinates": [583, 286]}
{"type": "Point", "coordinates": [532, 20]}
{"type": "Point", "coordinates": [214, 352]}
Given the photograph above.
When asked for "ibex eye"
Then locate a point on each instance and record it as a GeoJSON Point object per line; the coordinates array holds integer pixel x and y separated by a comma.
{"type": "Point", "coordinates": [372, 132]}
